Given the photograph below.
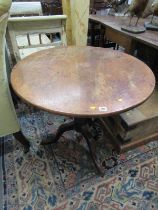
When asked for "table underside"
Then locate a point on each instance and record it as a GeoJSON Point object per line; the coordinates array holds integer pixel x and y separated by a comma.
{"type": "Point", "coordinates": [82, 126]}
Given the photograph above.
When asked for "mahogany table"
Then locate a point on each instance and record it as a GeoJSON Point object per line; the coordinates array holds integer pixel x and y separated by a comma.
{"type": "Point", "coordinates": [84, 83]}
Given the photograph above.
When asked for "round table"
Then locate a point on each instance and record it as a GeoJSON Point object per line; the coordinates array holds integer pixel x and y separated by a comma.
{"type": "Point", "coordinates": [84, 83]}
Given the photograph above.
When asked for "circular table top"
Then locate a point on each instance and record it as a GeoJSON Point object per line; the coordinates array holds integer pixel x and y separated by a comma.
{"type": "Point", "coordinates": [82, 81]}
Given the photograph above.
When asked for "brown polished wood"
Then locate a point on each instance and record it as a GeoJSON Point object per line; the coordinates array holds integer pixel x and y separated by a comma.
{"type": "Point", "coordinates": [125, 39]}
{"type": "Point", "coordinates": [82, 81]}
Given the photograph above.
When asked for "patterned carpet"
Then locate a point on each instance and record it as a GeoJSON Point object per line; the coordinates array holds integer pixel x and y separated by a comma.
{"type": "Point", "coordinates": [62, 176]}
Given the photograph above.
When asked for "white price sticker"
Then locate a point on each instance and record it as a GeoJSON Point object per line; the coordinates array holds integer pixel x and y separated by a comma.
{"type": "Point", "coordinates": [103, 109]}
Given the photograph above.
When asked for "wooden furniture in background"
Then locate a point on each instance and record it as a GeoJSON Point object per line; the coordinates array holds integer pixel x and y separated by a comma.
{"type": "Point", "coordinates": [104, 7]}
{"type": "Point", "coordinates": [80, 82]}
{"type": "Point", "coordinates": [112, 26]}
{"type": "Point", "coordinates": [98, 4]}
{"type": "Point", "coordinates": [31, 34]}
{"type": "Point", "coordinates": [148, 54]}
{"type": "Point", "coordinates": [52, 7]}
{"type": "Point", "coordinates": [96, 36]}
{"type": "Point", "coordinates": [137, 126]}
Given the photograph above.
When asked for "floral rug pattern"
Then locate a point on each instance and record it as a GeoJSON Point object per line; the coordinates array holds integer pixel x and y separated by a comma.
{"type": "Point", "coordinates": [62, 176]}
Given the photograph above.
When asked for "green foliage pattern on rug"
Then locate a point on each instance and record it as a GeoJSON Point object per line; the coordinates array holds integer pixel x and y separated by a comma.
{"type": "Point", "coordinates": [62, 176]}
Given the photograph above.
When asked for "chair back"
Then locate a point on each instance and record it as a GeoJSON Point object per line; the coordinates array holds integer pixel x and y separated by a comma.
{"type": "Point", "coordinates": [26, 9]}
{"type": "Point", "coordinates": [31, 34]}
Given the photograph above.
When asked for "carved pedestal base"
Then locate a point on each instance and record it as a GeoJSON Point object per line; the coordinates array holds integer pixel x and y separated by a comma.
{"type": "Point", "coordinates": [81, 125]}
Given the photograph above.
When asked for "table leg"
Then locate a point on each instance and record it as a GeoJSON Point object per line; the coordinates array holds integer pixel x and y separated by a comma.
{"type": "Point", "coordinates": [63, 128]}
{"type": "Point", "coordinates": [89, 138]}
{"type": "Point", "coordinates": [82, 126]}
{"type": "Point", "coordinates": [92, 34]}
{"type": "Point", "coordinates": [21, 138]}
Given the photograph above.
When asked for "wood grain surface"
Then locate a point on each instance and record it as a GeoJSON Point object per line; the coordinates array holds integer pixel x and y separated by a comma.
{"type": "Point", "coordinates": [113, 28]}
{"type": "Point", "coordinates": [82, 81]}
